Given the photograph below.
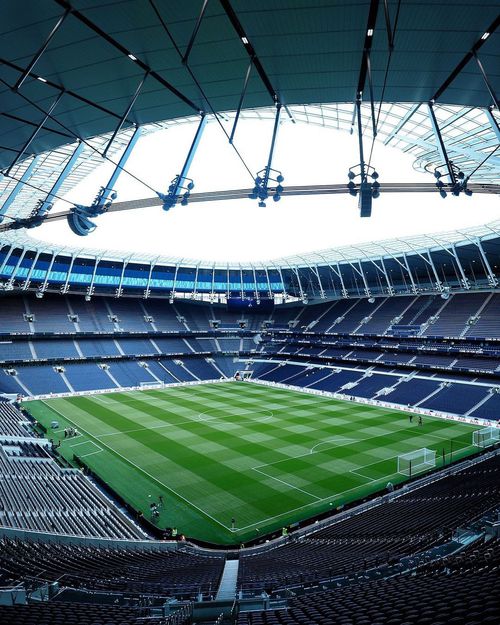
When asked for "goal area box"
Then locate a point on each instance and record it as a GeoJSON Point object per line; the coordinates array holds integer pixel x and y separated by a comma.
{"type": "Point", "coordinates": [416, 461]}
{"type": "Point", "coordinates": [151, 385]}
{"type": "Point", "coordinates": [485, 436]}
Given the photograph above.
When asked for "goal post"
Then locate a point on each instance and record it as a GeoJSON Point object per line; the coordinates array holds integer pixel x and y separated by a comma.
{"type": "Point", "coordinates": [485, 436]}
{"type": "Point", "coordinates": [152, 385]}
{"type": "Point", "coordinates": [416, 461]}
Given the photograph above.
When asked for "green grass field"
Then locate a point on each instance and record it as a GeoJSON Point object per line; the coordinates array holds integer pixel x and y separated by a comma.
{"type": "Point", "coordinates": [266, 457]}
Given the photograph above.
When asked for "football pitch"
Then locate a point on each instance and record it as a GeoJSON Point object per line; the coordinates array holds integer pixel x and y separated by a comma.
{"type": "Point", "coordinates": [266, 457]}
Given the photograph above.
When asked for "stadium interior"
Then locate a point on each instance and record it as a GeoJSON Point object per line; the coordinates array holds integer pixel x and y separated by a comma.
{"type": "Point", "coordinates": [309, 440]}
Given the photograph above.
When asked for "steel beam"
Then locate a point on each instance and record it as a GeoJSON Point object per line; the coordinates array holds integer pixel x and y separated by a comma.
{"type": "Point", "coordinates": [181, 181]}
{"type": "Point", "coordinates": [492, 279]}
{"type": "Point", "coordinates": [10, 282]}
{"type": "Point", "coordinates": [6, 259]}
{"type": "Point", "coordinates": [465, 60]}
{"type": "Point", "coordinates": [47, 273]}
{"type": "Point", "coordinates": [233, 18]}
{"type": "Point", "coordinates": [47, 203]}
{"type": "Point", "coordinates": [487, 82]}
{"type": "Point", "coordinates": [108, 189]}
{"type": "Point", "coordinates": [240, 103]}
{"type": "Point", "coordinates": [185, 58]}
{"type": "Point", "coordinates": [195, 286]}
{"type": "Point", "coordinates": [68, 274]}
{"type": "Point", "coordinates": [33, 135]}
{"type": "Point", "coordinates": [30, 272]}
{"type": "Point", "coordinates": [18, 188]}
{"type": "Point", "coordinates": [90, 288]}
{"type": "Point", "coordinates": [41, 50]}
{"type": "Point", "coordinates": [493, 123]}
{"type": "Point", "coordinates": [118, 46]}
{"type": "Point", "coordinates": [440, 143]}
{"type": "Point", "coordinates": [125, 114]}
{"type": "Point", "coordinates": [273, 145]}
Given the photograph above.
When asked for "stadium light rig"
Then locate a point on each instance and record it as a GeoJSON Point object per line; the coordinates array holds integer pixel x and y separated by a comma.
{"type": "Point", "coordinates": [367, 190]}
{"type": "Point", "coordinates": [268, 173]}
{"type": "Point", "coordinates": [181, 186]}
{"type": "Point", "coordinates": [80, 218]}
{"type": "Point", "coordinates": [458, 184]}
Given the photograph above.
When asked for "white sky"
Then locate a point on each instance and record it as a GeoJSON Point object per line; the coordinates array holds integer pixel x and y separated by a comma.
{"type": "Point", "coordinates": [241, 231]}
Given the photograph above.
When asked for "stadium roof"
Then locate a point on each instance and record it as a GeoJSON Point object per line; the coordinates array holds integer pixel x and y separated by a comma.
{"type": "Point", "coordinates": [92, 71]}
{"type": "Point", "coordinates": [303, 53]}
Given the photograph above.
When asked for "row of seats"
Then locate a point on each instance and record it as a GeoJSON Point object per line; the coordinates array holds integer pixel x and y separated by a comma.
{"type": "Point", "coordinates": [37, 494]}
{"type": "Point", "coordinates": [425, 389]}
{"type": "Point", "coordinates": [177, 572]}
{"type": "Point", "coordinates": [467, 314]}
{"type": "Point", "coordinates": [404, 526]}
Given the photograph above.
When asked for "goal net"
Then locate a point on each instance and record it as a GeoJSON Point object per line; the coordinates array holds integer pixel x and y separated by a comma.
{"type": "Point", "coordinates": [485, 437]}
{"type": "Point", "coordinates": [152, 384]}
{"type": "Point", "coordinates": [416, 461]}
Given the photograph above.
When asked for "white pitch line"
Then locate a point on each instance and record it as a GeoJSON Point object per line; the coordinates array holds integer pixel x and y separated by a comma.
{"type": "Point", "coordinates": [82, 443]}
{"type": "Point", "coordinates": [92, 453]}
{"type": "Point", "coordinates": [188, 422]}
{"type": "Point", "coordinates": [287, 484]}
{"type": "Point", "coordinates": [332, 440]}
{"type": "Point", "coordinates": [308, 453]}
{"type": "Point", "coordinates": [141, 470]}
{"type": "Point", "coordinates": [307, 505]}
{"type": "Point", "coordinates": [101, 399]}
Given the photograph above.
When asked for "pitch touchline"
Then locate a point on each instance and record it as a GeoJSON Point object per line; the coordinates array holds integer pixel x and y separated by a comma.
{"type": "Point", "coordinates": [307, 505]}
{"type": "Point", "coordinates": [113, 451]}
{"type": "Point", "coordinates": [308, 453]}
{"type": "Point", "coordinates": [332, 440]}
{"type": "Point", "coordinates": [288, 484]}
{"type": "Point", "coordinates": [189, 421]}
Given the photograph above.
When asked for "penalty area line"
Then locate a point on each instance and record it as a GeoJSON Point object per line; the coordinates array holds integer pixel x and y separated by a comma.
{"type": "Point", "coordinates": [143, 471]}
{"type": "Point", "coordinates": [287, 484]}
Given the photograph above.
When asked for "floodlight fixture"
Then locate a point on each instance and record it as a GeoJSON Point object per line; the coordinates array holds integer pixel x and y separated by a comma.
{"type": "Point", "coordinates": [79, 219]}
{"type": "Point", "coordinates": [181, 186]}
{"type": "Point", "coordinates": [485, 36]}
{"type": "Point", "coordinates": [268, 174]}
{"type": "Point", "coordinates": [366, 190]}
{"type": "Point", "coordinates": [132, 57]}
{"type": "Point", "coordinates": [371, 300]}
{"type": "Point", "coordinates": [262, 204]}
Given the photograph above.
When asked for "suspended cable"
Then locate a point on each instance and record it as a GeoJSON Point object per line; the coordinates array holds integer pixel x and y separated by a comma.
{"type": "Point", "coordinates": [386, 76]}
{"type": "Point", "coordinates": [482, 162]}
{"type": "Point", "coordinates": [212, 110]}
{"type": "Point", "coordinates": [76, 136]}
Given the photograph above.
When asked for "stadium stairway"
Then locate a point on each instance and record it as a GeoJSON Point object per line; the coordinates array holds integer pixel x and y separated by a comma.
{"type": "Point", "coordinates": [227, 586]}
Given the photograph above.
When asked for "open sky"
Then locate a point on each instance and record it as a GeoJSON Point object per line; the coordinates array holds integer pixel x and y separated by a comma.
{"type": "Point", "coordinates": [241, 231]}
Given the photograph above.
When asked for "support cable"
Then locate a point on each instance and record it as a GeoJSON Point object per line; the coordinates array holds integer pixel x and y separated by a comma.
{"type": "Point", "coordinates": [75, 135]}
{"type": "Point", "coordinates": [186, 65]}
{"type": "Point", "coordinates": [386, 76]}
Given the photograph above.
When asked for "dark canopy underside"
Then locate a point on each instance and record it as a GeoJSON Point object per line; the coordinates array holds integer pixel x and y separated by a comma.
{"type": "Point", "coordinates": [310, 51]}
